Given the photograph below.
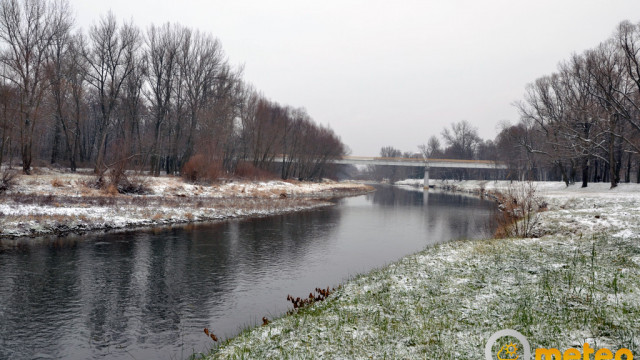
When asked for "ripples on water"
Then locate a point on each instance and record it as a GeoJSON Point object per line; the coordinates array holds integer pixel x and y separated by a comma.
{"type": "Point", "coordinates": [150, 294]}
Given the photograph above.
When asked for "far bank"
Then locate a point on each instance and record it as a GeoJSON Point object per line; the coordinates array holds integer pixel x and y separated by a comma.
{"type": "Point", "coordinates": [55, 203]}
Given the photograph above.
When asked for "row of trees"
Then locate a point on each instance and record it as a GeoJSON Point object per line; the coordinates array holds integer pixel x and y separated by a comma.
{"type": "Point", "coordinates": [151, 99]}
{"type": "Point", "coordinates": [461, 141]}
{"type": "Point", "coordinates": [584, 119]}
{"type": "Point", "coordinates": [523, 147]}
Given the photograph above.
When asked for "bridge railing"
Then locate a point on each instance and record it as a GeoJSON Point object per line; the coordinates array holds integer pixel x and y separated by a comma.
{"type": "Point", "coordinates": [418, 160]}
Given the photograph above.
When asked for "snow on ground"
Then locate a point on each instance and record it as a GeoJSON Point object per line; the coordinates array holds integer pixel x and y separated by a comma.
{"type": "Point", "coordinates": [596, 208]}
{"type": "Point", "coordinates": [54, 203]}
{"type": "Point", "coordinates": [554, 188]}
{"type": "Point", "coordinates": [577, 283]}
{"type": "Point", "coordinates": [52, 182]}
{"type": "Point", "coordinates": [410, 182]}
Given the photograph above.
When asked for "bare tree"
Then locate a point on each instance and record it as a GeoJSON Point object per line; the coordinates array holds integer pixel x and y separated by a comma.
{"type": "Point", "coordinates": [9, 100]}
{"type": "Point", "coordinates": [580, 125]}
{"type": "Point", "coordinates": [462, 139]}
{"type": "Point", "coordinates": [110, 56]}
{"type": "Point", "coordinates": [200, 60]}
{"type": "Point", "coordinates": [611, 88]}
{"type": "Point", "coordinates": [432, 148]}
{"type": "Point", "coordinates": [59, 72]}
{"type": "Point", "coordinates": [219, 133]}
{"type": "Point", "coordinates": [29, 29]}
{"type": "Point", "coordinates": [628, 39]}
{"type": "Point", "coordinates": [545, 107]}
{"type": "Point", "coordinates": [162, 52]}
{"type": "Point", "coordinates": [76, 74]}
{"type": "Point", "coordinates": [511, 151]}
{"type": "Point", "coordinates": [266, 136]}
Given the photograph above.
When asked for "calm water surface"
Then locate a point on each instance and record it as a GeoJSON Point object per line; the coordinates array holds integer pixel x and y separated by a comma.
{"type": "Point", "coordinates": [150, 294]}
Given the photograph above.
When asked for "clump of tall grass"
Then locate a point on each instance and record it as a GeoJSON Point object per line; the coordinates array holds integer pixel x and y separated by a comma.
{"type": "Point", "coordinates": [299, 303]}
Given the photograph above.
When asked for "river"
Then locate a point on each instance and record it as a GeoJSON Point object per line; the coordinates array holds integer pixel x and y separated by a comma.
{"type": "Point", "coordinates": [149, 294]}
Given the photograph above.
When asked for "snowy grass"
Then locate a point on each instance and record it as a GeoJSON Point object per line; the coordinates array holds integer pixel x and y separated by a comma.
{"type": "Point", "coordinates": [580, 282]}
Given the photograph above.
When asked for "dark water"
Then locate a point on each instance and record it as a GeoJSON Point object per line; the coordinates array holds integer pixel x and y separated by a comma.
{"type": "Point", "coordinates": [150, 294]}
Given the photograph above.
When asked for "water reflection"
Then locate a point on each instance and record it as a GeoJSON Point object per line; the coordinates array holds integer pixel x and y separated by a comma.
{"type": "Point", "coordinates": [149, 294]}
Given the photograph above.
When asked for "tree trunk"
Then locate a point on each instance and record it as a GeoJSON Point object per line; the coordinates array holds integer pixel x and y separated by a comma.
{"type": "Point", "coordinates": [618, 164]}
{"type": "Point", "coordinates": [572, 173]}
{"type": "Point", "coordinates": [100, 154]}
{"type": "Point", "coordinates": [72, 158]}
{"type": "Point", "coordinates": [56, 142]}
{"type": "Point", "coordinates": [563, 171]}
{"type": "Point", "coordinates": [2, 146]}
{"type": "Point", "coordinates": [26, 145]}
{"type": "Point", "coordinates": [627, 175]}
{"type": "Point", "coordinates": [26, 157]}
{"type": "Point", "coordinates": [155, 157]}
{"type": "Point", "coordinates": [76, 145]}
{"type": "Point", "coordinates": [585, 171]}
{"type": "Point", "coordinates": [612, 161]}
{"type": "Point", "coordinates": [4, 138]}
{"type": "Point", "coordinates": [10, 152]}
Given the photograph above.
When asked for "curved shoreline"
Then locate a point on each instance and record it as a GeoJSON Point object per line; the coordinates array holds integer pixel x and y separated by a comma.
{"type": "Point", "coordinates": [63, 230]}
{"type": "Point", "coordinates": [55, 205]}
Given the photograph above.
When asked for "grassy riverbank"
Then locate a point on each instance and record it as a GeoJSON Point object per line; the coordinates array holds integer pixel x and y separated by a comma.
{"type": "Point", "coordinates": [579, 282]}
{"type": "Point", "coordinates": [51, 202]}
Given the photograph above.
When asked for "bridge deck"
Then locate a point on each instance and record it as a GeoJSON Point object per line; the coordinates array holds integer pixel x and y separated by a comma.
{"type": "Point", "coordinates": [412, 162]}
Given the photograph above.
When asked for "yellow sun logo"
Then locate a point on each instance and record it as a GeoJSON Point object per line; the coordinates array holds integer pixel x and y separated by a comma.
{"type": "Point", "coordinates": [508, 352]}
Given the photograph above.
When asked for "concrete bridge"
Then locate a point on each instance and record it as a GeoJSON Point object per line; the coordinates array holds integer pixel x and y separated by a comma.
{"type": "Point", "coordinates": [423, 163]}
{"type": "Point", "coordinates": [416, 162]}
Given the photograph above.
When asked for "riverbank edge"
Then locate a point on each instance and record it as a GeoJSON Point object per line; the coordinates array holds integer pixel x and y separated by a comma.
{"type": "Point", "coordinates": [445, 301]}
{"type": "Point", "coordinates": [51, 205]}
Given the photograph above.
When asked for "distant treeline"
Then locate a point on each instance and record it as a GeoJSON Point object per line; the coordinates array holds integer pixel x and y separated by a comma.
{"type": "Point", "coordinates": [146, 99]}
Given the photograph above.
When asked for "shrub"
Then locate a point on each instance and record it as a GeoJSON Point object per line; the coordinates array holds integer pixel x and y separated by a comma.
{"type": "Point", "coordinates": [133, 185]}
{"type": "Point", "coordinates": [199, 169]}
{"type": "Point", "coordinates": [57, 183]}
{"type": "Point", "coordinates": [7, 180]}
{"type": "Point", "coordinates": [117, 181]}
{"type": "Point", "coordinates": [518, 210]}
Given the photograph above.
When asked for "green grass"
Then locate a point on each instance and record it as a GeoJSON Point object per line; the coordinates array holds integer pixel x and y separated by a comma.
{"type": "Point", "coordinates": [443, 303]}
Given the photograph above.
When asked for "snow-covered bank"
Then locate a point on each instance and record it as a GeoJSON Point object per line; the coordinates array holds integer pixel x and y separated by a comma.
{"type": "Point", "coordinates": [553, 188]}
{"type": "Point", "coordinates": [56, 203]}
{"type": "Point", "coordinates": [577, 283]}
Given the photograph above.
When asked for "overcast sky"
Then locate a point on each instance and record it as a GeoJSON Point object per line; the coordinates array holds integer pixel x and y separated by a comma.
{"type": "Point", "coordinates": [390, 72]}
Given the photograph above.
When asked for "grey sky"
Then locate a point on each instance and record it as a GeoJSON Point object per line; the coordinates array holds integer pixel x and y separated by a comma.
{"type": "Point", "coordinates": [390, 72]}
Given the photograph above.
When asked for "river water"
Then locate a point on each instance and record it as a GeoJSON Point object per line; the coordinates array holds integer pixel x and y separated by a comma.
{"type": "Point", "coordinates": [150, 294]}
